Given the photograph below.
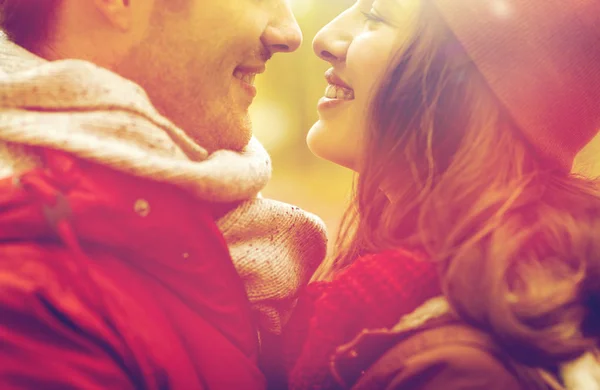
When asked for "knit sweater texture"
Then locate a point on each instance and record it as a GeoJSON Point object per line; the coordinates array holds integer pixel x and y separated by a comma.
{"type": "Point", "coordinates": [373, 293]}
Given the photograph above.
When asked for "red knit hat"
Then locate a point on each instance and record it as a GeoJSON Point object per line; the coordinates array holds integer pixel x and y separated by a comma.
{"type": "Point", "coordinates": [542, 60]}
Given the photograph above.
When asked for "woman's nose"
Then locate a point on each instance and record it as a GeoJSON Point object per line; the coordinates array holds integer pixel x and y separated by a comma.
{"type": "Point", "coordinates": [332, 42]}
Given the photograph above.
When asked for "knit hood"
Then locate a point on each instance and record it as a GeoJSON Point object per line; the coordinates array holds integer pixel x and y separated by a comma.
{"type": "Point", "coordinates": [92, 113]}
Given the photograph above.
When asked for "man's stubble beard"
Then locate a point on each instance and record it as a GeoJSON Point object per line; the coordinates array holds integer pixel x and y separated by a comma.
{"type": "Point", "coordinates": [220, 127]}
{"type": "Point", "coordinates": [213, 122]}
{"type": "Point", "coordinates": [202, 106]}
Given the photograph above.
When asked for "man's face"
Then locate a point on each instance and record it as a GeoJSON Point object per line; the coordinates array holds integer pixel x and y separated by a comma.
{"type": "Point", "coordinates": [198, 59]}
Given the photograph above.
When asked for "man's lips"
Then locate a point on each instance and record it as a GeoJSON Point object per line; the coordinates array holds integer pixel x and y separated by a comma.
{"type": "Point", "coordinates": [248, 74]}
{"type": "Point", "coordinates": [248, 78]}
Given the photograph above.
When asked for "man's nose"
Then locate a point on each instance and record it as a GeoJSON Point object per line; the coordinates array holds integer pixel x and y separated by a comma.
{"type": "Point", "coordinates": [283, 35]}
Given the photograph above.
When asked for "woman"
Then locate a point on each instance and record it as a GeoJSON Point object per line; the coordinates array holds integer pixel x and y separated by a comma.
{"type": "Point", "coordinates": [470, 257]}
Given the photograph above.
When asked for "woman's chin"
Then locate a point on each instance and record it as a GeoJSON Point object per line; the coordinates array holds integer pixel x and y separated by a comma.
{"type": "Point", "coordinates": [328, 147]}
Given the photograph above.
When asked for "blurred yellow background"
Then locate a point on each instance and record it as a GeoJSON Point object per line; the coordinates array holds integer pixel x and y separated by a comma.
{"type": "Point", "coordinates": [283, 112]}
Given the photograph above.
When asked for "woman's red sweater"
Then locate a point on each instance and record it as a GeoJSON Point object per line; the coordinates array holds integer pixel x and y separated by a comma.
{"type": "Point", "coordinates": [374, 292]}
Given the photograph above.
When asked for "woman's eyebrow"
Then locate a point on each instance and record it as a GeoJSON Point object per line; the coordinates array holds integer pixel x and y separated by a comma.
{"type": "Point", "coordinates": [393, 7]}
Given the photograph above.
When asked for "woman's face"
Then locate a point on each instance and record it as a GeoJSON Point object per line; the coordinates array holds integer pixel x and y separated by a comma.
{"type": "Point", "coordinates": [358, 44]}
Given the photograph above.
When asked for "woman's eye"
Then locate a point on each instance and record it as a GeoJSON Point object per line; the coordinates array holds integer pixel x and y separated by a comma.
{"type": "Point", "coordinates": [372, 17]}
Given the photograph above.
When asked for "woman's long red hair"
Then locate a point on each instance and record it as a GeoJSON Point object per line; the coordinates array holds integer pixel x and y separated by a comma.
{"type": "Point", "coordinates": [446, 171]}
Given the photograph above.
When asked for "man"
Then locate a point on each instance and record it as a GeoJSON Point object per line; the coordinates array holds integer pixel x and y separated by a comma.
{"type": "Point", "coordinates": [135, 250]}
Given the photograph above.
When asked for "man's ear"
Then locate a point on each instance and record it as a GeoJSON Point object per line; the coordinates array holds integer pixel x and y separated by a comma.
{"type": "Point", "coordinates": [117, 12]}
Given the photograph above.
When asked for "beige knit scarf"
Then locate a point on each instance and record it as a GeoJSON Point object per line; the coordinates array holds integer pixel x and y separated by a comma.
{"type": "Point", "coordinates": [95, 114]}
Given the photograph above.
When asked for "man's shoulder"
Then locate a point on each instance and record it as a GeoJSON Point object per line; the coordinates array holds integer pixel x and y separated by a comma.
{"type": "Point", "coordinates": [28, 265]}
{"type": "Point", "coordinates": [35, 277]}
{"type": "Point", "coordinates": [48, 289]}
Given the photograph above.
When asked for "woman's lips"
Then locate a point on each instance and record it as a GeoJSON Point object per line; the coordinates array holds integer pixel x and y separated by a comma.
{"type": "Point", "coordinates": [336, 93]}
{"type": "Point", "coordinates": [333, 79]}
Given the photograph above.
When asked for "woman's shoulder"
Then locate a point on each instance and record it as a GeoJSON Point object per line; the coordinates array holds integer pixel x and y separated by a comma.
{"type": "Point", "coordinates": [368, 274]}
{"type": "Point", "coordinates": [450, 356]}
{"type": "Point", "coordinates": [395, 274]}
{"type": "Point", "coordinates": [374, 292]}
{"type": "Point", "coordinates": [389, 264]}
{"type": "Point", "coordinates": [390, 255]}
{"type": "Point", "coordinates": [378, 289]}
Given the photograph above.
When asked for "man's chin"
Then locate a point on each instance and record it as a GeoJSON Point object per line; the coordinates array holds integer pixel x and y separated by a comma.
{"type": "Point", "coordinates": [237, 142]}
{"type": "Point", "coordinates": [232, 135]}
{"type": "Point", "coordinates": [220, 126]}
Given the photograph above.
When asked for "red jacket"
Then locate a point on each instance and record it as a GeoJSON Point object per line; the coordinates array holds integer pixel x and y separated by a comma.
{"type": "Point", "coordinates": [113, 282]}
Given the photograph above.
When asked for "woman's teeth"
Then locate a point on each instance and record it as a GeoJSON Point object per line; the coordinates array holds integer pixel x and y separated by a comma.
{"type": "Point", "coordinates": [245, 77]}
{"type": "Point", "coordinates": [337, 92]}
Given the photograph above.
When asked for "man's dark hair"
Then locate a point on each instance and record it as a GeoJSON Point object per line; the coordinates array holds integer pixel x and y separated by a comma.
{"type": "Point", "coordinates": [27, 22]}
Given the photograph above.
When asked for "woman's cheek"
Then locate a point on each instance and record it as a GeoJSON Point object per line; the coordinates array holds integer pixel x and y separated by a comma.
{"type": "Point", "coordinates": [368, 58]}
